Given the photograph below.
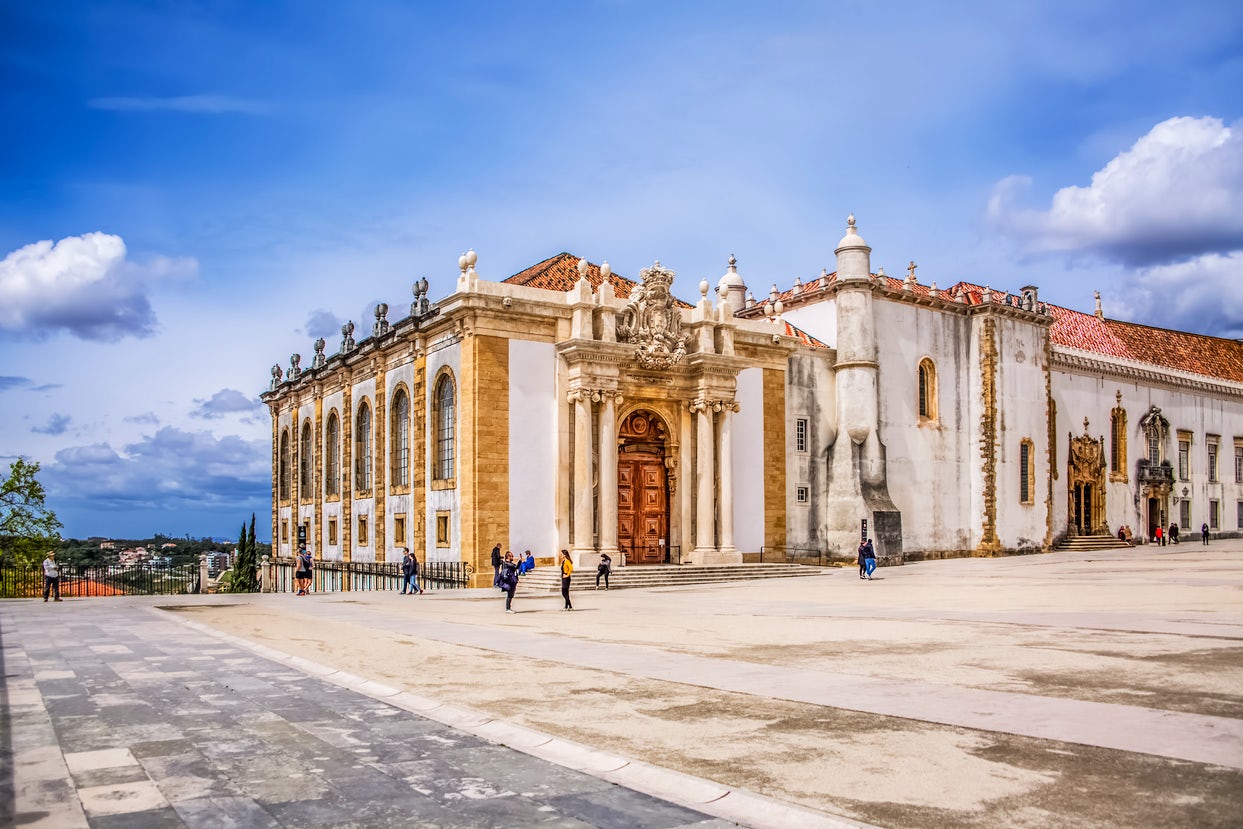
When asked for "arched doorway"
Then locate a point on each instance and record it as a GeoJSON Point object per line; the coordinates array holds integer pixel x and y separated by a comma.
{"type": "Point", "coordinates": [642, 489]}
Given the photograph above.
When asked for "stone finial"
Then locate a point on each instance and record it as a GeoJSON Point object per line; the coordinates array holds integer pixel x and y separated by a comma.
{"type": "Point", "coordinates": [347, 337]}
{"type": "Point", "coordinates": [319, 358]}
{"type": "Point", "coordinates": [582, 268]}
{"type": "Point", "coordinates": [606, 270]}
{"type": "Point", "coordinates": [987, 296]}
{"type": "Point", "coordinates": [381, 326]}
{"type": "Point", "coordinates": [295, 366]}
{"type": "Point", "coordinates": [824, 277]}
{"type": "Point", "coordinates": [704, 287]}
{"type": "Point", "coordinates": [910, 272]}
{"type": "Point", "coordinates": [932, 290]}
{"type": "Point", "coordinates": [798, 282]}
{"type": "Point", "coordinates": [1100, 314]}
{"type": "Point", "coordinates": [750, 299]}
{"type": "Point", "coordinates": [277, 374]}
{"type": "Point", "coordinates": [1118, 397]}
{"type": "Point", "coordinates": [850, 221]}
{"type": "Point", "coordinates": [461, 263]}
{"type": "Point", "coordinates": [420, 306]}
{"type": "Point", "coordinates": [1085, 426]}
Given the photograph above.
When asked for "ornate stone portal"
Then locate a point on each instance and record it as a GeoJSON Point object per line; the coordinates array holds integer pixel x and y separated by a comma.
{"type": "Point", "coordinates": [1086, 484]}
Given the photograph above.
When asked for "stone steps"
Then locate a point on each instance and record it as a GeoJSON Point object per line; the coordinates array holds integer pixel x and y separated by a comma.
{"type": "Point", "coordinates": [1088, 543]}
{"type": "Point", "coordinates": [548, 579]}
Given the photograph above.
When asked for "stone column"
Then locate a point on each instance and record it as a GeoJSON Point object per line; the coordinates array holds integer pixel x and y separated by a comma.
{"type": "Point", "coordinates": [583, 542]}
{"type": "Point", "coordinates": [725, 461]}
{"type": "Point", "coordinates": [608, 475]}
{"type": "Point", "coordinates": [705, 479]}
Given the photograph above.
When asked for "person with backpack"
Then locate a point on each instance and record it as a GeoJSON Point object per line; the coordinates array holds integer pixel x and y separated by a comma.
{"type": "Point", "coordinates": [606, 567]}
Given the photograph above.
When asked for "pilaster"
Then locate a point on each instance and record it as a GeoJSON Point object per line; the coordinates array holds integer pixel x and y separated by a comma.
{"type": "Point", "coordinates": [774, 458]}
{"type": "Point", "coordinates": [483, 466]}
{"type": "Point", "coordinates": [379, 497]}
{"type": "Point", "coordinates": [347, 470]}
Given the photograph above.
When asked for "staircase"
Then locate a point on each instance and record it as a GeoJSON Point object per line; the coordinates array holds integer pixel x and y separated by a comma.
{"type": "Point", "coordinates": [548, 579]}
{"type": "Point", "coordinates": [1089, 543]}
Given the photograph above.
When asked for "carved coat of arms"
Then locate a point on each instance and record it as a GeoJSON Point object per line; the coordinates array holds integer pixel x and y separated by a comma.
{"type": "Point", "coordinates": [652, 322]}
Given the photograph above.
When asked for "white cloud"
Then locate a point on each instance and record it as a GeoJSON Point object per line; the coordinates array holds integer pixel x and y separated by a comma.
{"type": "Point", "coordinates": [1201, 294]}
{"type": "Point", "coordinates": [84, 285]}
{"type": "Point", "coordinates": [57, 424]}
{"type": "Point", "coordinates": [200, 104]}
{"type": "Point", "coordinates": [1177, 193]}
{"type": "Point", "coordinates": [225, 401]}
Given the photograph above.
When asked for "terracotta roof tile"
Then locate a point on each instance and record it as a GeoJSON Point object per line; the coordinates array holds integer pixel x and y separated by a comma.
{"type": "Point", "coordinates": [560, 273]}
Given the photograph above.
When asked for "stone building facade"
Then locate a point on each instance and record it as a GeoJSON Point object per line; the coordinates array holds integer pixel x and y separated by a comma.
{"type": "Point", "coordinates": [570, 407]}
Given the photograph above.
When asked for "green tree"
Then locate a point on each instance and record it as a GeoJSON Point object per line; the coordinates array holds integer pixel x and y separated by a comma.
{"type": "Point", "coordinates": [27, 527]}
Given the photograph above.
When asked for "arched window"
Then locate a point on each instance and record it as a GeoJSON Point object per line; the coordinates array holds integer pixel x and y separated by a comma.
{"type": "Point", "coordinates": [305, 467]}
{"type": "Point", "coordinates": [284, 472]}
{"type": "Point", "coordinates": [401, 439]}
{"type": "Point", "coordinates": [446, 420]}
{"type": "Point", "coordinates": [1027, 472]}
{"type": "Point", "coordinates": [927, 390]}
{"type": "Point", "coordinates": [1117, 442]}
{"type": "Point", "coordinates": [362, 449]}
{"type": "Point", "coordinates": [332, 456]}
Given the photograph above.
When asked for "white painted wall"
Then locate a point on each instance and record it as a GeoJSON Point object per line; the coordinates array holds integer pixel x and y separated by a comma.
{"type": "Point", "coordinates": [818, 319]}
{"type": "Point", "coordinates": [748, 440]}
{"type": "Point", "coordinates": [532, 447]}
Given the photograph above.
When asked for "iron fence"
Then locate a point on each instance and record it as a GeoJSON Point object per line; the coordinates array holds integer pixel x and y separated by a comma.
{"type": "Point", "coordinates": [809, 556]}
{"type": "Point", "coordinates": [26, 581]}
{"type": "Point", "coordinates": [339, 576]}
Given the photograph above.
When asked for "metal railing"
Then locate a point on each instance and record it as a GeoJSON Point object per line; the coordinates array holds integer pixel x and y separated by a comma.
{"type": "Point", "coordinates": [809, 556]}
{"type": "Point", "coordinates": [26, 581]}
{"type": "Point", "coordinates": [339, 576]}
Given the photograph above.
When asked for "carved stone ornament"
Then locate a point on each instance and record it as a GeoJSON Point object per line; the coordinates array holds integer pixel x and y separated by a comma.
{"type": "Point", "coordinates": [652, 322]}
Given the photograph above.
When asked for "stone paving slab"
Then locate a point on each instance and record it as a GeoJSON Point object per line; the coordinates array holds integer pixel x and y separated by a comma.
{"type": "Point", "coordinates": [120, 717]}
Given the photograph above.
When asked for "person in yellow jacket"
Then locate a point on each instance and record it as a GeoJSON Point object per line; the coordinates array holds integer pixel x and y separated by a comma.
{"type": "Point", "coordinates": [567, 567]}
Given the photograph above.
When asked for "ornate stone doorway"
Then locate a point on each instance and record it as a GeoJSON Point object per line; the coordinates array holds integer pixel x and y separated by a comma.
{"type": "Point", "coordinates": [1086, 484]}
{"type": "Point", "coordinates": [642, 489]}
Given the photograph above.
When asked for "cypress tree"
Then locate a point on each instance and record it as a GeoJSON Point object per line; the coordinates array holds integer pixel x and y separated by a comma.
{"type": "Point", "coordinates": [240, 581]}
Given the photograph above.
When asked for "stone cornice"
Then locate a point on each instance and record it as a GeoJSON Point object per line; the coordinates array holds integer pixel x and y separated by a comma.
{"type": "Point", "coordinates": [1087, 362]}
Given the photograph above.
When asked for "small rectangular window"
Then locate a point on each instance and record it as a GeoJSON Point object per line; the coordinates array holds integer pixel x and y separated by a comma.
{"type": "Point", "coordinates": [442, 529]}
{"type": "Point", "coordinates": [801, 494]}
{"type": "Point", "coordinates": [1214, 516]}
{"type": "Point", "coordinates": [362, 531]}
{"type": "Point", "coordinates": [1184, 514]}
{"type": "Point", "coordinates": [1212, 461]}
{"type": "Point", "coordinates": [332, 531]}
{"type": "Point", "coordinates": [399, 529]}
{"type": "Point", "coordinates": [800, 434]}
{"type": "Point", "coordinates": [1184, 459]}
{"type": "Point", "coordinates": [284, 532]}
{"type": "Point", "coordinates": [1238, 462]}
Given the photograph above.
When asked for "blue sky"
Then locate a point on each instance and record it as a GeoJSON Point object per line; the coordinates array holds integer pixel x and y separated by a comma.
{"type": "Point", "coordinates": [192, 191]}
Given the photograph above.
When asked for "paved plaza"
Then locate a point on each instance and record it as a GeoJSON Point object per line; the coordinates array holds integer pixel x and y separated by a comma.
{"type": "Point", "coordinates": [1101, 689]}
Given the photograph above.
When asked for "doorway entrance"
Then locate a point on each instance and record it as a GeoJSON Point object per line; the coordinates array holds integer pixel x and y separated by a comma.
{"type": "Point", "coordinates": [1082, 505]}
{"type": "Point", "coordinates": [642, 489]}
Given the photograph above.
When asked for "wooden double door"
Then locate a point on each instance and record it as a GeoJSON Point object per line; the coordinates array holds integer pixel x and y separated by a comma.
{"type": "Point", "coordinates": [642, 507]}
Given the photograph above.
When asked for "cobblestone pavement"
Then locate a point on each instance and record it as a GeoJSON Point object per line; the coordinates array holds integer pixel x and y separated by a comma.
{"type": "Point", "coordinates": [119, 717]}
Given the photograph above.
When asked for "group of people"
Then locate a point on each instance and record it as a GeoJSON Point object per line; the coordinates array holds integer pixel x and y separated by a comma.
{"type": "Point", "coordinates": [1161, 536]}
{"type": "Point", "coordinates": [867, 559]}
{"type": "Point", "coordinates": [410, 574]}
{"type": "Point", "coordinates": [506, 570]}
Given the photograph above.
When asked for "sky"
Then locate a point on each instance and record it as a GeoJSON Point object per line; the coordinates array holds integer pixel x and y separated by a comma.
{"type": "Point", "coordinates": [190, 192]}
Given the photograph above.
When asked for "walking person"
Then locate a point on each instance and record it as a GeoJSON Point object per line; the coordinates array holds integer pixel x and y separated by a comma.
{"type": "Point", "coordinates": [1204, 532]}
{"type": "Point", "coordinates": [414, 565]}
{"type": "Point", "coordinates": [509, 579]}
{"type": "Point", "coordinates": [496, 566]}
{"type": "Point", "coordinates": [863, 559]}
{"type": "Point", "coordinates": [410, 573]}
{"type": "Point", "coordinates": [51, 576]}
{"type": "Point", "coordinates": [606, 567]}
{"type": "Point", "coordinates": [1160, 535]}
{"type": "Point", "coordinates": [1173, 532]}
{"type": "Point", "coordinates": [302, 575]}
{"type": "Point", "coordinates": [869, 558]}
{"type": "Point", "coordinates": [567, 569]}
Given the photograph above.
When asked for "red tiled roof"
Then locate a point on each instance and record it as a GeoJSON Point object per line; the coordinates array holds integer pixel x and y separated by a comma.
{"type": "Point", "coordinates": [802, 336]}
{"type": "Point", "coordinates": [560, 273]}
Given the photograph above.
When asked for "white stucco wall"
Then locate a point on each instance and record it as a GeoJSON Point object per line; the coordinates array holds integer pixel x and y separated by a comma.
{"type": "Point", "coordinates": [532, 447]}
{"type": "Point", "coordinates": [1093, 395]}
{"type": "Point", "coordinates": [818, 319]}
{"type": "Point", "coordinates": [748, 441]}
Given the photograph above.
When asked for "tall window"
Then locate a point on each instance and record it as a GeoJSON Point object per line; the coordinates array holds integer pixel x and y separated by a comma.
{"type": "Point", "coordinates": [800, 434]}
{"type": "Point", "coordinates": [927, 390]}
{"type": "Point", "coordinates": [446, 420]}
{"type": "Point", "coordinates": [1117, 445]}
{"type": "Point", "coordinates": [305, 467]}
{"type": "Point", "coordinates": [362, 449]}
{"type": "Point", "coordinates": [1184, 457]}
{"type": "Point", "coordinates": [332, 456]}
{"type": "Point", "coordinates": [1214, 515]}
{"type": "Point", "coordinates": [1027, 472]}
{"type": "Point", "coordinates": [1154, 446]}
{"type": "Point", "coordinates": [1238, 461]}
{"type": "Point", "coordinates": [401, 439]}
{"type": "Point", "coordinates": [1212, 459]}
{"type": "Point", "coordinates": [1239, 517]}
{"type": "Point", "coordinates": [1184, 514]}
{"type": "Point", "coordinates": [284, 472]}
